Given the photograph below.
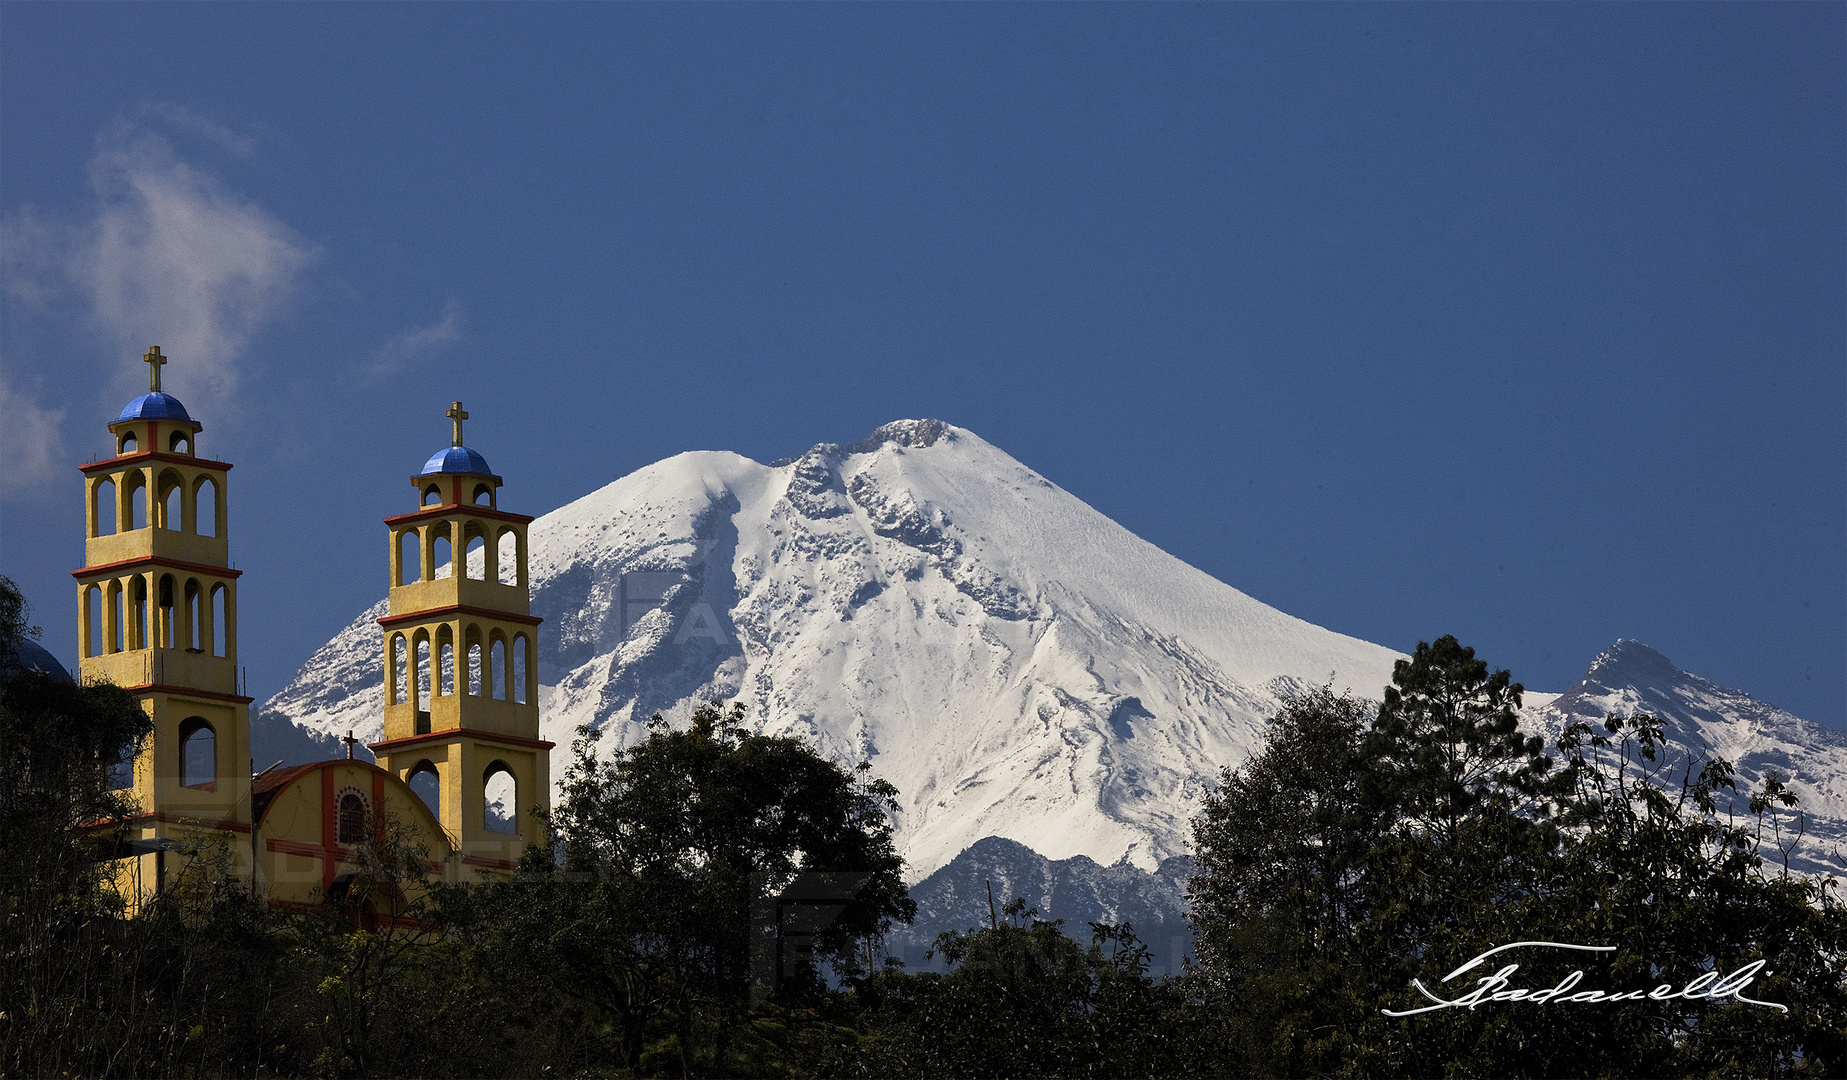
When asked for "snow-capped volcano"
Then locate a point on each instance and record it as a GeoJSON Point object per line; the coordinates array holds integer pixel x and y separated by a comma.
{"type": "Point", "coordinates": [1017, 664]}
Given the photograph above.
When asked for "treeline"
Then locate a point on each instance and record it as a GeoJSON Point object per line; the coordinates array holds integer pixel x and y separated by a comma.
{"type": "Point", "coordinates": [1363, 847]}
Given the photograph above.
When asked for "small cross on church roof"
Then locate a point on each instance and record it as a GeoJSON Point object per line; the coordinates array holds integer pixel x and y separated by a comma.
{"type": "Point", "coordinates": [154, 360]}
{"type": "Point", "coordinates": [457, 414]}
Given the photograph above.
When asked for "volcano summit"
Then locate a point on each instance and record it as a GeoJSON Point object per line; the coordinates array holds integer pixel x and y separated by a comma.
{"type": "Point", "coordinates": [1018, 664]}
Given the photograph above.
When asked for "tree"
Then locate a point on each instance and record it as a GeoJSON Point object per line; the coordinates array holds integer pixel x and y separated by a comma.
{"type": "Point", "coordinates": [1280, 890]}
{"type": "Point", "coordinates": [642, 911]}
{"type": "Point", "coordinates": [1447, 743]}
{"type": "Point", "coordinates": [1023, 999]}
{"type": "Point", "coordinates": [1665, 865]}
{"type": "Point", "coordinates": [58, 742]}
{"type": "Point", "coordinates": [82, 989]}
{"type": "Point", "coordinates": [1465, 839]}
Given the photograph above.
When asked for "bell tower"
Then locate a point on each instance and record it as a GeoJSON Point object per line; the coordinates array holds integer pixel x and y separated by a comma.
{"type": "Point", "coordinates": [461, 660]}
{"type": "Point", "coordinates": [157, 614]}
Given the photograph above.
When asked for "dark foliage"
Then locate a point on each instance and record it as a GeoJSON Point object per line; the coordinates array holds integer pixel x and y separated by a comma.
{"type": "Point", "coordinates": [1347, 859]}
{"type": "Point", "coordinates": [1023, 999]}
{"type": "Point", "coordinates": [642, 915]}
{"type": "Point", "coordinates": [1357, 851]}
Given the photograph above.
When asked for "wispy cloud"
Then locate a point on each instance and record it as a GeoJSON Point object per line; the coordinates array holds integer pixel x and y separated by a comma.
{"type": "Point", "coordinates": [414, 345]}
{"type": "Point", "coordinates": [164, 255]}
{"type": "Point", "coordinates": [180, 119]}
{"type": "Point", "coordinates": [31, 448]}
{"type": "Point", "coordinates": [173, 258]}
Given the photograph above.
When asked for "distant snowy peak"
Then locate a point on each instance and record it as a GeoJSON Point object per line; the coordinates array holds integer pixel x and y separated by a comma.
{"type": "Point", "coordinates": [1630, 678]}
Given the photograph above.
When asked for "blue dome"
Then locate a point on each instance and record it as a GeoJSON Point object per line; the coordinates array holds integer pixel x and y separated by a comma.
{"type": "Point", "coordinates": [154, 406]}
{"type": "Point", "coordinates": [456, 459]}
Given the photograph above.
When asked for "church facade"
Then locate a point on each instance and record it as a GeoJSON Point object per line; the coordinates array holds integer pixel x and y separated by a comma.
{"type": "Point", "coordinates": [461, 772]}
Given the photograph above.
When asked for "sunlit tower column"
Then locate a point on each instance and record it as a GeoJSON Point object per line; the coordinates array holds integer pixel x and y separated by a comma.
{"type": "Point", "coordinates": [157, 614]}
{"type": "Point", "coordinates": [461, 660]}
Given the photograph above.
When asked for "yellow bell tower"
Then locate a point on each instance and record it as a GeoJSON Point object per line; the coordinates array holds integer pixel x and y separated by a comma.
{"type": "Point", "coordinates": [157, 614]}
{"type": "Point", "coordinates": [461, 660]}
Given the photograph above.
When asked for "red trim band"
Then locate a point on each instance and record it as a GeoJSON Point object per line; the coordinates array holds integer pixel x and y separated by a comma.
{"type": "Point", "coordinates": [488, 861]}
{"type": "Point", "coordinates": [329, 830]}
{"type": "Point", "coordinates": [295, 847]}
{"type": "Point", "coordinates": [153, 455]}
{"type": "Point", "coordinates": [390, 621]}
{"type": "Point", "coordinates": [394, 745]}
{"type": "Point", "coordinates": [431, 512]}
{"type": "Point", "coordinates": [187, 691]}
{"type": "Point", "coordinates": [158, 560]}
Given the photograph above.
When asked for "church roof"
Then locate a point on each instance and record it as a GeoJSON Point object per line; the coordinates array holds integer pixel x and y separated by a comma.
{"type": "Point", "coordinates": [265, 787]}
{"type": "Point", "coordinates": [154, 406]}
{"type": "Point", "coordinates": [35, 657]}
{"type": "Point", "coordinates": [456, 459]}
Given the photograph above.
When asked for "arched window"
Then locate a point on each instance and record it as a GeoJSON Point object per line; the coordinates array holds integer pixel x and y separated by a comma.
{"type": "Point", "coordinates": [506, 559]}
{"type": "Point", "coordinates": [138, 614]}
{"type": "Point", "coordinates": [410, 567]}
{"type": "Point", "coordinates": [196, 638]}
{"type": "Point", "coordinates": [394, 668]}
{"type": "Point", "coordinates": [198, 754]}
{"type": "Point", "coordinates": [118, 625]}
{"type": "Point", "coordinates": [477, 557]}
{"type": "Point", "coordinates": [92, 621]}
{"type": "Point", "coordinates": [439, 553]}
{"type": "Point", "coordinates": [127, 445]}
{"type": "Point", "coordinates": [352, 818]}
{"type": "Point", "coordinates": [122, 769]}
{"type": "Point", "coordinates": [501, 812]}
{"type": "Point", "coordinates": [172, 502]}
{"type": "Point", "coordinates": [448, 664]}
{"type": "Point", "coordinates": [428, 786]}
{"type": "Point", "coordinates": [474, 668]}
{"type": "Point", "coordinates": [497, 667]}
{"type": "Point", "coordinates": [432, 495]}
{"type": "Point", "coordinates": [484, 495]}
{"type": "Point", "coordinates": [423, 679]}
{"type": "Point", "coordinates": [137, 501]}
{"type": "Point", "coordinates": [178, 443]}
{"type": "Point", "coordinates": [102, 504]}
{"type": "Point", "coordinates": [522, 669]}
{"type": "Point", "coordinates": [166, 636]}
{"type": "Point", "coordinates": [205, 507]}
{"type": "Point", "coordinates": [221, 630]}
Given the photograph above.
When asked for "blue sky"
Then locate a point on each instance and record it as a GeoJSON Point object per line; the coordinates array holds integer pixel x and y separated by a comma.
{"type": "Point", "coordinates": [1522, 323]}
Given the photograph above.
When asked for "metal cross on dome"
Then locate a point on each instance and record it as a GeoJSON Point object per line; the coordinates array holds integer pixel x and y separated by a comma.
{"type": "Point", "coordinates": [457, 414]}
{"type": "Point", "coordinates": [154, 360]}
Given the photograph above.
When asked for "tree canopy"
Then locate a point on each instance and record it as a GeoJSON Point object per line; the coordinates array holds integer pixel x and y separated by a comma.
{"type": "Point", "coordinates": [1350, 857]}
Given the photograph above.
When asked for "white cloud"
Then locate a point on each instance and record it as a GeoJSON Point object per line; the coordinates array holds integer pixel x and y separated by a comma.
{"type": "Point", "coordinates": [164, 255]}
{"type": "Point", "coordinates": [183, 120]}
{"type": "Point", "coordinates": [172, 258]}
{"type": "Point", "coordinates": [31, 448]}
{"type": "Point", "coordinates": [414, 345]}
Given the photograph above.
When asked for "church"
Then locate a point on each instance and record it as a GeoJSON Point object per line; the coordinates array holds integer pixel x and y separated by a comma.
{"type": "Point", "coordinates": [461, 772]}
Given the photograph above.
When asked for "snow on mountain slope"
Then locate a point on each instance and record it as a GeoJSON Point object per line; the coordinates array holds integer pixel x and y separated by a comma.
{"type": "Point", "coordinates": [1015, 662]}
{"type": "Point", "coordinates": [1629, 678]}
